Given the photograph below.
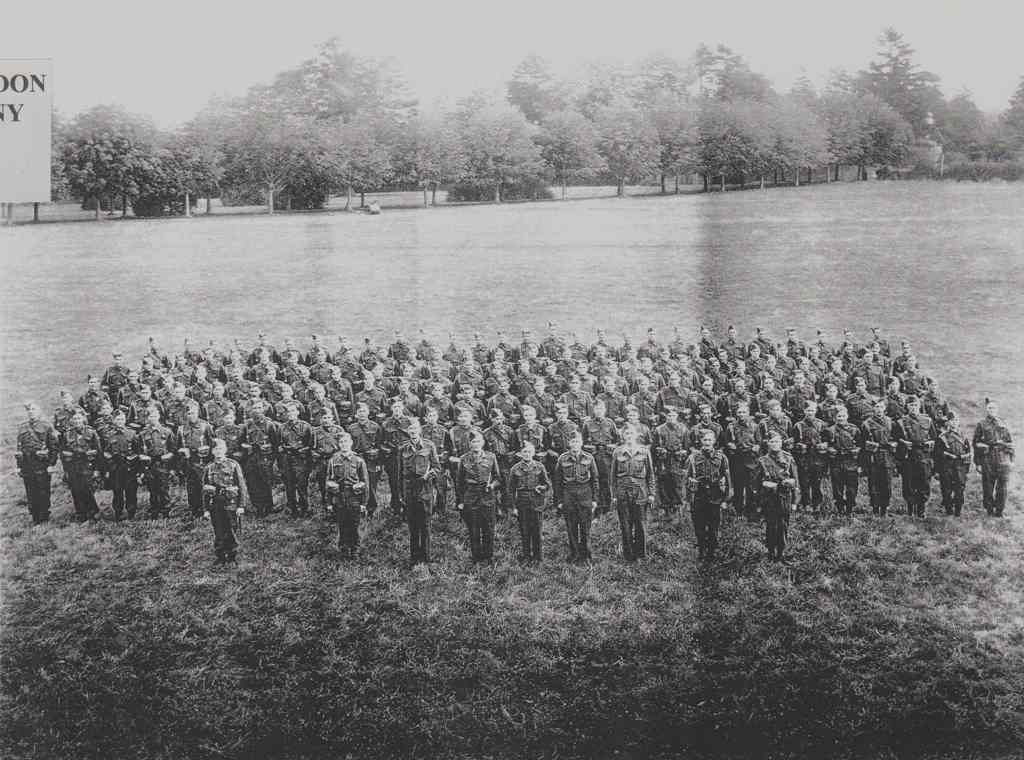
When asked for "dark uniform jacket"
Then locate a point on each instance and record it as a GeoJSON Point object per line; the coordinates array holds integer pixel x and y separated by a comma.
{"type": "Point", "coordinates": [576, 470]}
{"type": "Point", "coordinates": [37, 445]}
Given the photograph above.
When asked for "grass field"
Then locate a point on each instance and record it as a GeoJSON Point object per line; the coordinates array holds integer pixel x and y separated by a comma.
{"type": "Point", "coordinates": [882, 639]}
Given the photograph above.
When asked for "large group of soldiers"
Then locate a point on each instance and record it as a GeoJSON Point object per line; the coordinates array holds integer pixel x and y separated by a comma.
{"type": "Point", "coordinates": [513, 428]}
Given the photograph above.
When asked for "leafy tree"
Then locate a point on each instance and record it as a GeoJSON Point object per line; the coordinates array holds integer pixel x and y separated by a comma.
{"type": "Point", "coordinates": [105, 152]}
{"type": "Point", "coordinates": [568, 145]}
{"type": "Point", "coordinates": [499, 148]}
{"type": "Point", "coordinates": [428, 153]}
{"type": "Point", "coordinates": [358, 158]}
{"type": "Point", "coordinates": [862, 130]}
{"type": "Point", "coordinates": [734, 138]}
{"type": "Point", "coordinates": [725, 75]}
{"type": "Point", "coordinates": [963, 126]}
{"type": "Point", "coordinates": [627, 141]}
{"type": "Point", "coordinates": [661, 77]}
{"type": "Point", "coordinates": [896, 79]}
{"type": "Point", "coordinates": [798, 137]}
{"type": "Point", "coordinates": [603, 83]}
{"type": "Point", "coordinates": [1013, 117]}
{"type": "Point", "coordinates": [675, 125]}
{"type": "Point", "coordinates": [534, 90]}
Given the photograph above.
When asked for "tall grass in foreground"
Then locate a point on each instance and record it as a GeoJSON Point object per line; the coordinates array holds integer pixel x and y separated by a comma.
{"type": "Point", "coordinates": [883, 638]}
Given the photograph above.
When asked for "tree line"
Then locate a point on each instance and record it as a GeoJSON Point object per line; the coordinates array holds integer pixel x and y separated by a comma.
{"type": "Point", "coordinates": [342, 124]}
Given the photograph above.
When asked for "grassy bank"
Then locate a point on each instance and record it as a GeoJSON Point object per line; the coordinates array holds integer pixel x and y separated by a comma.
{"type": "Point", "coordinates": [881, 639]}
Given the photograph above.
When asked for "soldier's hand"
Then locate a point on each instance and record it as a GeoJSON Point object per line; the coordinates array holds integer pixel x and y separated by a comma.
{"type": "Point", "coordinates": [593, 505]}
{"type": "Point", "coordinates": [17, 471]}
{"type": "Point", "coordinates": [240, 511]}
{"type": "Point", "coordinates": [460, 507]}
{"type": "Point", "coordinates": [650, 499]}
{"type": "Point", "coordinates": [206, 514]}
{"type": "Point", "coordinates": [51, 469]}
{"type": "Point", "coordinates": [362, 510]}
{"type": "Point", "coordinates": [515, 512]}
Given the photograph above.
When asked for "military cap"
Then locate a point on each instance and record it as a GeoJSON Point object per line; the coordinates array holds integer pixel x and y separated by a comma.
{"type": "Point", "coordinates": [913, 399]}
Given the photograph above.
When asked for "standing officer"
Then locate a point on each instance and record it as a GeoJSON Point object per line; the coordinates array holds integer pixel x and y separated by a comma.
{"type": "Point", "coordinates": [156, 450]}
{"type": "Point", "coordinates": [528, 484]}
{"type": "Point", "coordinates": [708, 484]}
{"type": "Point", "coordinates": [916, 434]}
{"type": "Point", "coordinates": [670, 447]}
{"type": "Point", "coordinates": [478, 478]}
{"type": "Point", "coordinates": [195, 440]}
{"type": "Point", "coordinates": [36, 456]}
{"type": "Point", "coordinates": [80, 446]}
{"type": "Point", "coordinates": [224, 500]}
{"type": "Point", "coordinates": [92, 399]}
{"type": "Point", "coordinates": [295, 447]}
{"type": "Point", "coordinates": [348, 488]}
{"type": "Point", "coordinates": [953, 461]}
{"type": "Point", "coordinates": [367, 439]}
{"type": "Point", "coordinates": [115, 378]}
{"type": "Point", "coordinates": [993, 456]}
{"type": "Point", "coordinates": [844, 447]}
{"type": "Point", "coordinates": [260, 442]}
{"type": "Point", "coordinates": [879, 457]}
{"type": "Point", "coordinates": [395, 433]}
{"type": "Point", "coordinates": [218, 406]}
{"type": "Point", "coordinates": [632, 484]}
{"type": "Point", "coordinates": [741, 447]}
{"type": "Point", "coordinates": [600, 437]}
{"type": "Point", "coordinates": [419, 468]}
{"type": "Point", "coordinates": [559, 435]}
{"type": "Point", "coordinates": [122, 451]}
{"type": "Point", "coordinates": [811, 456]}
{"type": "Point", "coordinates": [576, 486]}
{"type": "Point", "coordinates": [775, 484]}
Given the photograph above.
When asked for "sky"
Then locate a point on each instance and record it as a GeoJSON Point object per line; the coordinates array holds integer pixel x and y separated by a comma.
{"type": "Point", "coordinates": [168, 64]}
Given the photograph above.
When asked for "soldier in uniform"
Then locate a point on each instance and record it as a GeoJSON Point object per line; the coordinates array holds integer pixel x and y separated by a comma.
{"type": "Point", "coordinates": [670, 452]}
{"type": "Point", "coordinates": [438, 435]}
{"type": "Point", "coordinates": [339, 391]}
{"type": "Point", "coordinates": [394, 434]}
{"type": "Point", "coordinates": [295, 445]}
{"type": "Point", "coordinates": [559, 434]}
{"type": "Point", "coordinates": [542, 402]}
{"type": "Point", "coordinates": [953, 462]}
{"type": "Point", "coordinates": [260, 443]}
{"type": "Point", "coordinates": [36, 455]}
{"type": "Point", "coordinates": [218, 406]}
{"type": "Point", "coordinates": [844, 446]}
{"type": "Point", "coordinates": [224, 500]}
{"type": "Point", "coordinates": [80, 447]}
{"type": "Point", "coordinates": [708, 485]}
{"type": "Point", "coordinates": [231, 433]}
{"type": "Point", "coordinates": [576, 486]}
{"type": "Point", "coordinates": [348, 489]}
{"type": "Point", "coordinates": [138, 408]}
{"type": "Point", "coordinates": [529, 483]}
{"type": "Point", "coordinates": [645, 400]}
{"type": "Point", "coordinates": [704, 422]}
{"type": "Point", "coordinates": [775, 484]}
{"type": "Point", "coordinates": [499, 439]}
{"type": "Point", "coordinates": [92, 399]}
{"type": "Point", "coordinates": [156, 450]}
{"type": "Point", "coordinates": [115, 378]}
{"type": "Point", "coordinates": [325, 445]}
{"type": "Point", "coordinates": [916, 434]}
{"type": "Point", "coordinates": [600, 436]}
{"type": "Point", "coordinates": [741, 448]}
{"type": "Point", "coordinates": [63, 414]}
{"type": "Point", "coordinates": [121, 451]}
{"type": "Point", "coordinates": [419, 468]}
{"type": "Point", "coordinates": [879, 457]}
{"type": "Point", "coordinates": [993, 456]}
{"type": "Point", "coordinates": [195, 439]}
{"type": "Point", "coordinates": [477, 480]}
{"type": "Point", "coordinates": [633, 488]}
{"type": "Point", "coordinates": [811, 449]}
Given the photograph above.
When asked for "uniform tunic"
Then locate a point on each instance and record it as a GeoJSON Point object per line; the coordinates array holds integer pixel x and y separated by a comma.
{"type": "Point", "coordinates": [37, 450]}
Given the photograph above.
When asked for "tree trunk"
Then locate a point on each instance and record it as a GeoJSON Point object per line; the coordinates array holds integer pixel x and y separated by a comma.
{"type": "Point", "coordinates": [663, 183]}
{"type": "Point", "coordinates": [705, 178]}
{"type": "Point", "coordinates": [362, 199]}
{"type": "Point", "coordinates": [762, 182]}
{"type": "Point", "coordinates": [35, 212]}
{"type": "Point", "coordinates": [98, 204]}
{"type": "Point", "coordinates": [188, 205]}
{"type": "Point", "coordinates": [677, 184]}
{"type": "Point", "coordinates": [620, 188]}
{"type": "Point", "coordinates": [124, 206]}
{"type": "Point", "coordinates": [425, 195]}
{"type": "Point", "coordinates": [796, 177]}
{"type": "Point", "coordinates": [433, 195]}
{"type": "Point", "coordinates": [723, 183]}
{"type": "Point", "coordinates": [497, 193]}
{"type": "Point", "coordinates": [828, 173]}
{"type": "Point", "coordinates": [743, 180]}
{"type": "Point", "coordinates": [209, 206]}
{"type": "Point", "coordinates": [348, 197]}
{"type": "Point", "coordinates": [563, 190]}
{"type": "Point", "coordinates": [288, 202]}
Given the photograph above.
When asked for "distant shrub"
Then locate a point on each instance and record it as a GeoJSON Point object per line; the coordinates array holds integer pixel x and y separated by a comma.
{"type": "Point", "coordinates": [524, 190]}
{"type": "Point", "coordinates": [984, 171]}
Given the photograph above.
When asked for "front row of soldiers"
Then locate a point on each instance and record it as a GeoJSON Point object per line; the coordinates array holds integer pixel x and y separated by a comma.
{"type": "Point", "coordinates": [598, 466]}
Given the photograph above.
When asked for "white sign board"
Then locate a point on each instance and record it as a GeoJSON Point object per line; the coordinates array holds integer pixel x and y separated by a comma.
{"type": "Point", "coordinates": [26, 106]}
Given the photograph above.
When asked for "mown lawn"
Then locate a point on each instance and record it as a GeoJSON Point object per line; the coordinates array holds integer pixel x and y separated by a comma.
{"type": "Point", "coordinates": [883, 639]}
